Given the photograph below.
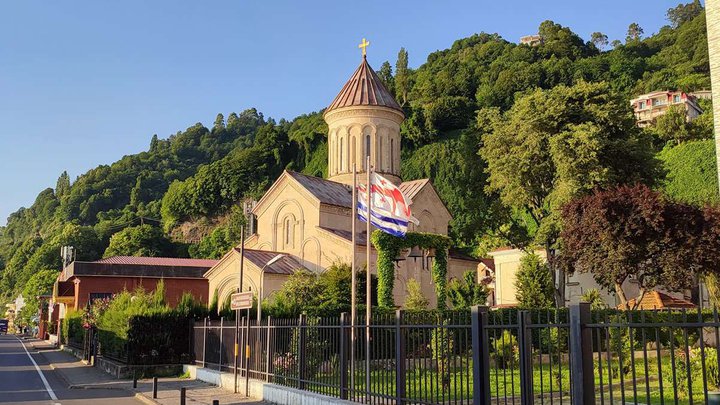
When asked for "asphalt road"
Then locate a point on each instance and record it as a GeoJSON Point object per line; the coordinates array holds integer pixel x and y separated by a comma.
{"type": "Point", "coordinates": [22, 382]}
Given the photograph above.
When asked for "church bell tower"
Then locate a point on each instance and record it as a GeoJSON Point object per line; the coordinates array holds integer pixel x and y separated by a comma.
{"type": "Point", "coordinates": [364, 120]}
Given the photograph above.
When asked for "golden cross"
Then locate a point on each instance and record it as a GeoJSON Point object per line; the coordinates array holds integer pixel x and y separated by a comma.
{"type": "Point", "coordinates": [364, 45]}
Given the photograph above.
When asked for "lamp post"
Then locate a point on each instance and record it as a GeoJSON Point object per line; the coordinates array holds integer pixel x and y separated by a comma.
{"type": "Point", "coordinates": [262, 282]}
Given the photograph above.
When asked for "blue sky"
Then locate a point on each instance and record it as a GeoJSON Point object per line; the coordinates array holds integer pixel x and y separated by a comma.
{"type": "Point", "coordinates": [83, 83]}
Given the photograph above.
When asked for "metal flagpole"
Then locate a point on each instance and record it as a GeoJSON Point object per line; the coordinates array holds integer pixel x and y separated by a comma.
{"type": "Point", "coordinates": [237, 312]}
{"type": "Point", "coordinates": [353, 295]}
{"type": "Point", "coordinates": [368, 280]}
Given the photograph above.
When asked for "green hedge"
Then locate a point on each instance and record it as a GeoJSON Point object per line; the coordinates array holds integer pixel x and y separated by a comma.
{"type": "Point", "coordinates": [160, 339]}
{"type": "Point", "coordinates": [73, 332]}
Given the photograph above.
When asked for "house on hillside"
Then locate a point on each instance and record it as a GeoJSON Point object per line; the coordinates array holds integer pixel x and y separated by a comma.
{"type": "Point", "coordinates": [648, 107]}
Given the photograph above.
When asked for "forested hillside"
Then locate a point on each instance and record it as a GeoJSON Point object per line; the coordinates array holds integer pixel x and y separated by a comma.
{"type": "Point", "coordinates": [142, 203]}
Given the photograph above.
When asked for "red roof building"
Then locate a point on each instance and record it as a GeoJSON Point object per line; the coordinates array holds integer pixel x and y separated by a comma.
{"type": "Point", "coordinates": [81, 282]}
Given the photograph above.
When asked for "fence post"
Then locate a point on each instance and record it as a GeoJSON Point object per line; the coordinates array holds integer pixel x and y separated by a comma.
{"type": "Point", "coordinates": [581, 355]}
{"type": "Point", "coordinates": [302, 342]}
{"type": "Point", "coordinates": [343, 356]}
{"type": "Point", "coordinates": [268, 357]}
{"type": "Point", "coordinates": [481, 355]}
{"type": "Point", "coordinates": [526, 371]}
{"type": "Point", "coordinates": [205, 331]}
{"type": "Point", "coordinates": [400, 360]}
{"type": "Point", "coordinates": [220, 347]}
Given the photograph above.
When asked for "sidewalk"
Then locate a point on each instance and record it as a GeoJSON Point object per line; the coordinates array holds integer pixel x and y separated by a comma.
{"type": "Point", "coordinates": [78, 375]}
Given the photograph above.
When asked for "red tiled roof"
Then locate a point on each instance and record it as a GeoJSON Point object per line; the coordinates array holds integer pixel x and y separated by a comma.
{"type": "Point", "coordinates": [488, 262]}
{"type": "Point", "coordinates": [658, 300]}
{"type": "Point", "coordinates": [364, 88]}
{"type": "Point", "coordinates": [158, 261]}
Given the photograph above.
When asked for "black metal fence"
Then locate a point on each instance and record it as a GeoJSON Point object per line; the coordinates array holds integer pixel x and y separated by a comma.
{"type": "Point", "coordinates": [479, 356]}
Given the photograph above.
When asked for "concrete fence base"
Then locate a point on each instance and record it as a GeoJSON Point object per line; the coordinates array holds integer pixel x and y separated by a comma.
{"type": "Point", "coordinates": [273, 393]}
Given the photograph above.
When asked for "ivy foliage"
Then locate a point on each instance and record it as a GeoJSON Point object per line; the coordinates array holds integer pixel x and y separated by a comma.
{"type": "Point", "coordinates": [389, 247]}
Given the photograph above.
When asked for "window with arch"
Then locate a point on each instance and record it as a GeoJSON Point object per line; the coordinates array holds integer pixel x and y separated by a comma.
{"type": "Point", "coordinates": [367, 150]}
{"type": "Point", "coordinates": [353, 155]}
{"type": "Point", "coordinates": [342, 161]}
{"type": "Point", "coordinates": [380, 155]}
{"type": "Point", "coordinates": [392, 155]}
{"type": "Point", "coordinates": [288, 232]}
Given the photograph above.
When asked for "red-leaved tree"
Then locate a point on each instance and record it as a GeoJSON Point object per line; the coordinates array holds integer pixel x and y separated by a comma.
{"type": "Point", "coordinates": [635, 231]}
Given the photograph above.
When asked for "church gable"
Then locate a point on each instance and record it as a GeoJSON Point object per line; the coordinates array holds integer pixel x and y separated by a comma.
{"type": "Point", "coordinates": [427, 207]}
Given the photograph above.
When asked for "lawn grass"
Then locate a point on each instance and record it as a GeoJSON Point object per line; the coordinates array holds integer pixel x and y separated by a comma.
{"type": "Point", "coordinates": [425, 384]}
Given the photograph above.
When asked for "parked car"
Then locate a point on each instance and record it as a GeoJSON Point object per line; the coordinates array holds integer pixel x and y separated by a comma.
{"type": "Point", "coordinates": [3, 326]}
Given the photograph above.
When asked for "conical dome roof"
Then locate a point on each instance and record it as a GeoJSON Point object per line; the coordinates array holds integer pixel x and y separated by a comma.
{"type": "Point", "coordinates": [364, 89]}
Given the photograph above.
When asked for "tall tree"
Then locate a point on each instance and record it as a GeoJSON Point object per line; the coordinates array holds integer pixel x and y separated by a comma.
{"type": "Point", "coordinates": [63, 185]}
{"type": "Point", "coordinates": [386, 75]}
{"type": "Point", "coordinates": [684, 13]}
{"type": "Point", "coordinates": [402, 76]}
{"type": "Point", "coordinates": [634, 32]}
{"type": "Point", "coordinates": [143, 240]}
{"type": "Point", "coordinates": [633, 231]}
{"type": "Point", "coordinates": [219, 122]}
{"type": "Point", "coordinates": [599, 39]}
{"type": "Point", "coordinates": [533, 283]}
{"type": "Point", "coordinates": [553, 145]}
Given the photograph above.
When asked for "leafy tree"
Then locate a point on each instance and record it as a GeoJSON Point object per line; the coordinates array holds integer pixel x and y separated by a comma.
{"type": "Point", "coordinates": [143, 240]}
{"type": "Point", "coordinates": [561, 42]}
{"type": "Point", "coordinates": [414, 299]}
{"type": "Point", "coordinates": [386, 75]}
{"type": "Point", "coordinates": [633, 231]}
{"type": "Point", "coordinates": [402, 76]}
{"type": "Point", "coordinates": [556, 144]}
{"type": "Point", "coordinates": [533, 283]}
{"type": "Point", "coordinates": [599, 39]}
{"type": "Point", "coordinates": [634, 33]}
{"type": "Point", "coordinates": [673, 125]}
{"type": "Point", "coordinates": [40, 283]}
{"type": "Point", "coordinates": [63, 185]}
{"type": "Point", "coordinates": [683, 13]}
{"type": "Point", "coordinates": [467, 292]}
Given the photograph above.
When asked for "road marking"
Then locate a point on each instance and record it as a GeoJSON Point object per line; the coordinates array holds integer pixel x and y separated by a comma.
{"type": "Point", "coordinates": [42, 376]}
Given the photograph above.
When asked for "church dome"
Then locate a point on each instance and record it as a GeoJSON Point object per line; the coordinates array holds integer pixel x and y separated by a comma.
{"type": "Point", "coordinates": [364, 89]}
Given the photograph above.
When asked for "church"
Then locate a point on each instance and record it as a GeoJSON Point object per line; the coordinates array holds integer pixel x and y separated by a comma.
{"type": "Point", "coordinates": [305, 222]}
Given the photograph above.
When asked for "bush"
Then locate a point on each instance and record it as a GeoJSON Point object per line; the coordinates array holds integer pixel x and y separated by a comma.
{"type": "Point", "coordinates": [505, 350]}
{"type": "Point", "coordinates": [190, 307]}
{"type": "Point", "coordinates": [712, 372]}
{"type": "Point", "coordinates": [113, 324]}
{"type": "Point", "coordinates": [593, 297]}
{"type": "Point", "coordinates": [72, 328]}
{"type": "Point", "coordinates": [415, 300]}
{"type": "Point", "coordinates": [620, 344]}
{"type": "Point", "coordinates": [443, 349]}
{"type": "Point", "coordinates": [162, 338]}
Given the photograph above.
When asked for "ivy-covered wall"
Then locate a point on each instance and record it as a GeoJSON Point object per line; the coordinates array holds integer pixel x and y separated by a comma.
{"type": "Point", "coordinates": [389, 247]}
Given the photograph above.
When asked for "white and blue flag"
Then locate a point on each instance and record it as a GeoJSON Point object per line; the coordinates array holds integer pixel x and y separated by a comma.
{"type": "Point", "coordinates": [389, 208]}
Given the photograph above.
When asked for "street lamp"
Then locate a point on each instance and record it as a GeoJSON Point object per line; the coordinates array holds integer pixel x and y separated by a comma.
{"type": "Point", "coordinates": [262, 282]}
